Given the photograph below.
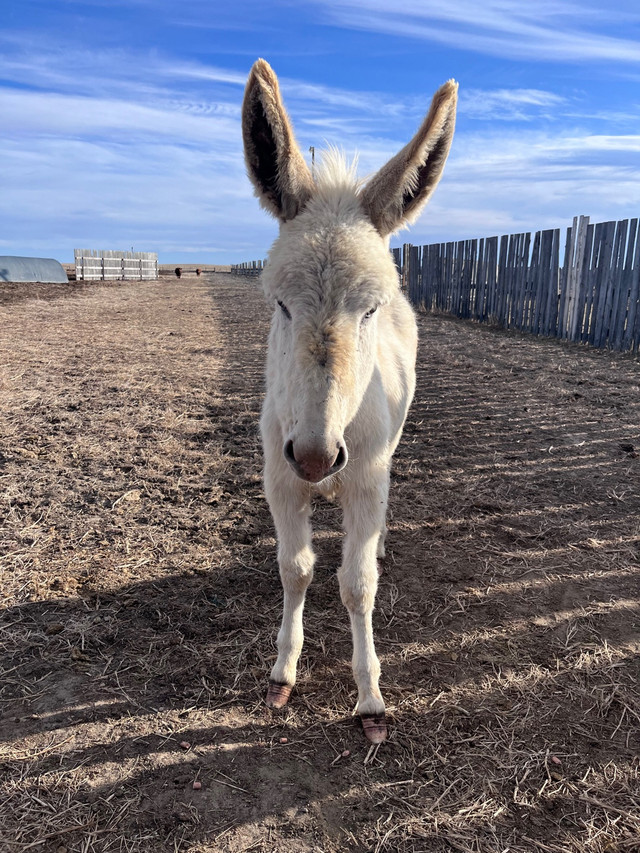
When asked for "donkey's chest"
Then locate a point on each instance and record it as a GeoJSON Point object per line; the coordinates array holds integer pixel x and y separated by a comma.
{"type": "Point", "coordinates": [329, 489]}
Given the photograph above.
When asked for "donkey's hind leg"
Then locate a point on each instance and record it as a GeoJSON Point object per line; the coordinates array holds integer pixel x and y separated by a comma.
{"type": "Point", "coordinates": [290, 508]}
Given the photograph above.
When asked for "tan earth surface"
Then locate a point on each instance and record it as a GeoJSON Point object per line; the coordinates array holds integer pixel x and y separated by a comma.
{"type": "Point", "coordinates": [140, 595]}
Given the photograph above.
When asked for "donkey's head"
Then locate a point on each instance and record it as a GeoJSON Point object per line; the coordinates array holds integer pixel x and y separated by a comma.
{"type": "Point", "coordinates": [330, 269]}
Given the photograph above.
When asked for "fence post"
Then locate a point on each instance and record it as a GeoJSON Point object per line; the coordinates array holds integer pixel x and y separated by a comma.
{"type": "Point", "coordinates": [580, 235]}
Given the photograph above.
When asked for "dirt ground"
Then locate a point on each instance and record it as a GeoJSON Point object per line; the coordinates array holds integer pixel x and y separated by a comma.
{"type": "Point", "coordinates": [140, 596]}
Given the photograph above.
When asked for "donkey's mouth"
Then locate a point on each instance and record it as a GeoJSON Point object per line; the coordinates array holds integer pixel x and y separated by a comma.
{"type": "Point", "coordinates": [314, 466]}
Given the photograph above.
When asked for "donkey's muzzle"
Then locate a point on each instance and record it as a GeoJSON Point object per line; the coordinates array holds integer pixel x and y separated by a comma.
{"type": "Point", "coordinates": [314, 466]}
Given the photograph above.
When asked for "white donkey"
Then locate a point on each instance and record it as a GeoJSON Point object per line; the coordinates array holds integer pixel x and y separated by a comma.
{"type": "Point", "coordinates": [340, 361]}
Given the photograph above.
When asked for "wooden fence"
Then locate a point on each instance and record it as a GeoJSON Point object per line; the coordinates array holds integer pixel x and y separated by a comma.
{"type": "Point", "coordinates": [248, 268]}
{"type": "Point", "coordinates": [519, 281]}
{"type": "Point", "coordinates": [96, 265]}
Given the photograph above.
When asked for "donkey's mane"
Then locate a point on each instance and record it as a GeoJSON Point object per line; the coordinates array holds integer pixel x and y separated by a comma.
{"type": "Point", "coordinates": [336, 174]}
{"type": "Point", "coordinates": [337, 185]}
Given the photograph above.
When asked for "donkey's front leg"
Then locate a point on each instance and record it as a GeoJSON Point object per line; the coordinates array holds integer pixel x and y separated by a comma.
{"type": "Point", "coordinates": [364, 518]}
{"type": "Point", "coordinates": [290, 507]}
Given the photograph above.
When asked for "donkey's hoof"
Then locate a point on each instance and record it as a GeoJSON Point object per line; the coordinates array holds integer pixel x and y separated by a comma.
{"type": "Point", "coordinates": [374, 727]}
{"type": "Point", "coordinates": [278, 694]}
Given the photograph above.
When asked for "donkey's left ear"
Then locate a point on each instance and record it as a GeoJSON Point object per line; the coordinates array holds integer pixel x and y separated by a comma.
{"type": "Point", "coordinates": [397, 193]}
{"type": "Point", "coordinates": [275, 165]}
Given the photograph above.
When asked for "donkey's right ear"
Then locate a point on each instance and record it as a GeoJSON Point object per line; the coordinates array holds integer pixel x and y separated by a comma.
{"type": "Point", "coordinates": [281, 178]}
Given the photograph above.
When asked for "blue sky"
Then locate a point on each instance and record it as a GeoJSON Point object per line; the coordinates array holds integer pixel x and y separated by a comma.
{"type": "Point", "coordinates": [121, 118]}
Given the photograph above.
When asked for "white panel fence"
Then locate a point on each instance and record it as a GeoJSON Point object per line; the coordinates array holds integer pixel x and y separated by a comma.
{"type": "Point", "coordinates": [97, 265]}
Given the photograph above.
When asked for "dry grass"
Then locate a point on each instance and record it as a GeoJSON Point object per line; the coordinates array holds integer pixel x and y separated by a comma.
{"type": "Point", "coordinates": [141, 600]}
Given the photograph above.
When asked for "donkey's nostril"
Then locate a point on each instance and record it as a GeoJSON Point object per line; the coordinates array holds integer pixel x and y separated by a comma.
{"type": "Point", "coordinates": [341, 459]}
{"type": "Point", "coordinates": [288, 451]}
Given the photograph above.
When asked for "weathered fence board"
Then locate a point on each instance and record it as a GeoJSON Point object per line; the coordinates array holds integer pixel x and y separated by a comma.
{"type": "Point", "coordinates": [520, 281]}
{"type": "Point", "coordinates": [633, 277]}
{"type": "Point", "coordinates": [103, 265]}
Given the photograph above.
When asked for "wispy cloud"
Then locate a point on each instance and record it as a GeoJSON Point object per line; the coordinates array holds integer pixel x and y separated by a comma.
{"type": "Point", "coordinates": [509, 104]}
{"type": "Point", "coordinates": [37, 112]}
{"type": "Point", "coordinates": [331, 96]}
{"type": "Point", "coordinates": [194, 71]}
{"type": "Point", "coordinates": [549, 31]}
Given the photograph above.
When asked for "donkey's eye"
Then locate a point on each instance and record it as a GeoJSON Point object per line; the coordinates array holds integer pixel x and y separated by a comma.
{"type": "Point", "coordinates": [285, 310]}
{"type": "Point", "coordinates": [369, 314]}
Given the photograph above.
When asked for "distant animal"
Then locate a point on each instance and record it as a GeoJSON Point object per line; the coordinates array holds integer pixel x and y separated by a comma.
{"type": "Point", "coordinates": [178, 271]}
{"type": "Point", "coordinates": [340, 358]}
{"type": "Point", "coordinates": [198, 271]}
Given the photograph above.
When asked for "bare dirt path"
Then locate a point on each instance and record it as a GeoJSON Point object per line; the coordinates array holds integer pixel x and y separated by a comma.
{"type": "Point", "coordinates": [140, 597]}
